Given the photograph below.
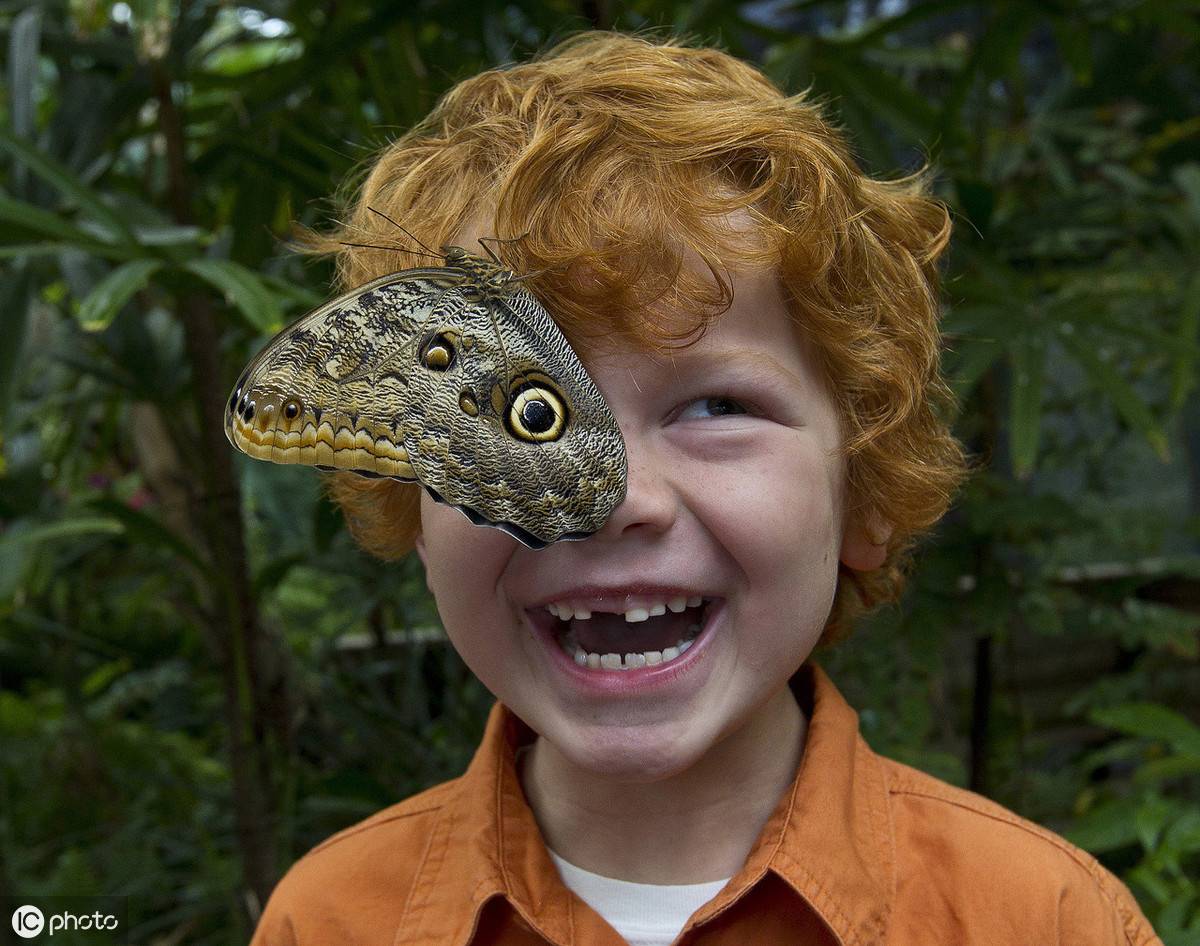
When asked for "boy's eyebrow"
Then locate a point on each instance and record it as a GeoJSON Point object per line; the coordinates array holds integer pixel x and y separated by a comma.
{"type": "Point", "coordinates": [738, 359]}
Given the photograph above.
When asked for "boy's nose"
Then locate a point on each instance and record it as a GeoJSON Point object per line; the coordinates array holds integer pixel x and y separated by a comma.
{"type": "Point", "coordinates": [651, 502]}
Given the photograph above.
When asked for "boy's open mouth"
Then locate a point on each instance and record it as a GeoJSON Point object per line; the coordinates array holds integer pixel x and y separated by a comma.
{"type": "Point", "coordinates": [650, 633]}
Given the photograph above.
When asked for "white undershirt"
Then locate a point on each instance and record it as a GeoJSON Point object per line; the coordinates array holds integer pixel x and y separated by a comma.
{"type": "Point", "coordinates": [644, 914]}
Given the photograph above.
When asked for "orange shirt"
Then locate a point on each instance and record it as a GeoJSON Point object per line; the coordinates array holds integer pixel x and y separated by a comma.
{"type": "Point", "coordinates": [860, 850]}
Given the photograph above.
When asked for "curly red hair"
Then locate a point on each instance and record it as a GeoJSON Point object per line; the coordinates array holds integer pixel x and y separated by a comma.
{"type": "Point", "coordinates": [613, 157]}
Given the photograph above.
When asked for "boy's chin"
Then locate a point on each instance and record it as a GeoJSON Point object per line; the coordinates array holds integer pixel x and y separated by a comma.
{"type": "Point", "coordinates": [635, 754]}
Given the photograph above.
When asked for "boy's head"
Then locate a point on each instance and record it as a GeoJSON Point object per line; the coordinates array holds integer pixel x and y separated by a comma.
{"type": "Point", "coordinates": [674, 205]}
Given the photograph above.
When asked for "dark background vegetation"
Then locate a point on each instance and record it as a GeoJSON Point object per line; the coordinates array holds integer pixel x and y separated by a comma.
{"type": "Point", "coordinates": [200, 677]}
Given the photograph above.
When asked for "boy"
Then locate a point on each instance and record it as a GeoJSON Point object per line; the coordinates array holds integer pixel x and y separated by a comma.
{"type": "Point", "coordinates": [663, 763]}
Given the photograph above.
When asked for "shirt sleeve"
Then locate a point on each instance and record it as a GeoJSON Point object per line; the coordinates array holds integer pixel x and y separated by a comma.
{"type": "Point", "coordinates": [1101, 911]}
{"type": "Point", "coordinates": [275, 926]}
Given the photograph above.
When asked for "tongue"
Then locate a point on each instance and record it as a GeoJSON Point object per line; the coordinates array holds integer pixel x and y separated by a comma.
{"type": "Point", "coordinates": [612, 634]}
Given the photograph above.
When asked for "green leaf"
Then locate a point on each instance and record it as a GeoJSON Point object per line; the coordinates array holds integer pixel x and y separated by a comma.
{"type": "Point", "coordinates": [1105, 828]}
{"type": "Point", "coordinates": [292, 293]}
{"type": "Point", "coordinates": [1115, 303]}
{"type": "Point", "coordinates": [99, 679]}
{"type": "Point", "coordinates": [67, 528]}
{"type": "Point", "coordinates": [66, 183]}
{"type": "Point", "coordinates": [1127, 402]}
{"type": "Point", "coordinates": [1028, 357]}
{"type": "Point", "coordinates": [1122, 750]}
{"type": "Point", "coordinates": [881, 93]}
{"type": "Point", "coordinates": [1152, 817]}
{"type": "Point", "coordinates": [106, 299]}
{"type": "Point", "coordinates": [169, 235]}
{"type": "Point", "coordinates": [997, 47]}
{"type": "Point", "coordinates": [1152, 721]}
{"type": "Point", "coordinates": [789, 64]}
{"type": "Point", "coordinates": [242, 288]}
{"type": "Point", "coordinates": [248, 57]}
{"type": "Point", "coordinates": [24, 39]}
{"type": "Point", "coordinates": [51, 225]}
{"type": "Point", "coordinates": [1172, 767]}
{"type": "Point", "coordinates": [1183, 836]}
{"type": "Point", "coordinates": [19, 250]}
{"type": "Point", "coordinates": [1150, 880]}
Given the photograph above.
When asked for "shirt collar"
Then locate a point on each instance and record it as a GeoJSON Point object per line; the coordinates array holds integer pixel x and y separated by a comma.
{"type": "Point", "coordinates": [829, 837]}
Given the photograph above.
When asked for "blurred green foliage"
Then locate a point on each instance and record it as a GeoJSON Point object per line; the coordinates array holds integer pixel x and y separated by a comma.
{"type": "Point", "coordinates": [181, 713]}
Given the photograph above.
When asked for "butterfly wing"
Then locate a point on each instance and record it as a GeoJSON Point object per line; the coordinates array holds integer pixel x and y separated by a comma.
{"type": "Point", "coordinates": [416, 376]}
{"type": "Point", "coordinates": [329, 390]}
{"type": "Point", "coordinates": [527, 442]}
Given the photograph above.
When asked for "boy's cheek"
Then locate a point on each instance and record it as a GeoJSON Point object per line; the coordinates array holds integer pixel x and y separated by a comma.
{"type": "Point", "coordinates": [459, 558]}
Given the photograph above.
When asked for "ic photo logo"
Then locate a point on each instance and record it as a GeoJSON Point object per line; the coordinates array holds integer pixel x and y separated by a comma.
{"type": "Point", "coordinates": [28, 921]}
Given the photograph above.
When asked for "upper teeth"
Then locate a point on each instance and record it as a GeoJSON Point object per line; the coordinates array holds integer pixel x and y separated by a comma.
{"type": "Point", "coordinates": [566, 610]}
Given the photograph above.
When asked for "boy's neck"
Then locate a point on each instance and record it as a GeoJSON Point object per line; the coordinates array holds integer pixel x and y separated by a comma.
{"type": "Point", "coordinates": [693, 827]}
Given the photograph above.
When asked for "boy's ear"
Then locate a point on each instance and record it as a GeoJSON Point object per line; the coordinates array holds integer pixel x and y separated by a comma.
{"type": "Point", "coordinates": [864, 541]}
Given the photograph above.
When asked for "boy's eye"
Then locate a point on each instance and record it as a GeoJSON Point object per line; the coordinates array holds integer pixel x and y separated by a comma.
{"type": "Point", "coordinates": [714, 406]}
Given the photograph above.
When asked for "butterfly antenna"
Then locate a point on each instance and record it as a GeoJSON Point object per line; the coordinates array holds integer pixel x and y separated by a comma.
{"type": "Point", "coordinates": [515, 239]}
{"type": "Point", "coordinates": [492, 254]}
{"type": "Point", "coordinates": [394, 249]}
{"type": "Point", "coordinates": [484, 241]}
{"type": "Point", "coordinates": [405, 232]}
{"type": "Point", "coordinates": [522, 278]}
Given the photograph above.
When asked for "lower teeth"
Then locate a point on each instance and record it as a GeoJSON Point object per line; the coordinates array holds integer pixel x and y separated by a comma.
{"type": "Point", "coordinates": [630, 661]}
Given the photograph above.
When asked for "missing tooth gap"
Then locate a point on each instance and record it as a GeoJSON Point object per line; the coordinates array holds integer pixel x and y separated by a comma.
{"type": "Point", "coordinates": [702, 608]}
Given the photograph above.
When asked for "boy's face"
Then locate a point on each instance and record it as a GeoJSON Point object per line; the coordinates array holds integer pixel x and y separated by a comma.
{"type": "Point", "coordinates": [733, 495]}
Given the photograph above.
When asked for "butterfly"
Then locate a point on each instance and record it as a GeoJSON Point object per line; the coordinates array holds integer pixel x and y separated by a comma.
{"type": "Point", "coordinates": [454, 377]}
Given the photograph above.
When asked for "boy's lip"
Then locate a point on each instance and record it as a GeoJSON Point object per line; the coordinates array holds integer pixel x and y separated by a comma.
{"type": "Point", "coordinates": [679, 676]}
